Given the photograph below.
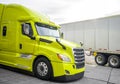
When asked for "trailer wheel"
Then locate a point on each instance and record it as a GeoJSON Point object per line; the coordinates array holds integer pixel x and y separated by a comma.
{"type": "Point", "coordinates": [100, 59]}
{"type": "Point", "coordinates": [42, 69]}
{"type": "Point", "coordinates": [114, 61]}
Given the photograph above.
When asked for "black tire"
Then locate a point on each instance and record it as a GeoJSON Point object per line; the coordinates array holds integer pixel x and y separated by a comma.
{"type": "Point", "coordinates": [114, 61]}
{"type": "Point", "coordinates": [42, 69]}
{"type": "Point", "coordinates": [100, 59]}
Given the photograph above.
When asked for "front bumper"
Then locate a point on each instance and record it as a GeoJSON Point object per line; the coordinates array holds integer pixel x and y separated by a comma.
{"type": "Point", "coordinates": [67, 71]}
{"type": "Point", "coordinates": [67, 78]}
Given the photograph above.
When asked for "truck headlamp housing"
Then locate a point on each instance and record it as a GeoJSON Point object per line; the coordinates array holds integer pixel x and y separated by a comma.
{"type": "Point", "coordinates": [63, 58]}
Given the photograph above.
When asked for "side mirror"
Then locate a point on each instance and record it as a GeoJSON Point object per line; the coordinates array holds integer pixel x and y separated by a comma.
{"type": "Point", "coordinates": [81, 43]}
{"type": "Point", "coordinates": [62, 35]}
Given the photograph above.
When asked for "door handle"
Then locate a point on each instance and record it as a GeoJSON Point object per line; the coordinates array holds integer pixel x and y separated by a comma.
{"type": "Point", "coordinates": [20, 46]}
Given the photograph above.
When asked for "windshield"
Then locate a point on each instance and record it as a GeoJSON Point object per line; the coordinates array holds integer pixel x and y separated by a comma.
{"type": "Point", "coordinates": [46, 30]}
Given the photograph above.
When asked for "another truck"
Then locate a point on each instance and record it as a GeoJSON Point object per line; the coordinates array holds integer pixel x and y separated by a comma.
{"type": "Point", "coordinates": [30, 41]}
{"type": "Point", "coordinates": [100, 36]}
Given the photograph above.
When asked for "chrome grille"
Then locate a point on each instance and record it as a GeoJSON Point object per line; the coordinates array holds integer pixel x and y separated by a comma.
{"type": "Point", "coordinates": [79, 57]}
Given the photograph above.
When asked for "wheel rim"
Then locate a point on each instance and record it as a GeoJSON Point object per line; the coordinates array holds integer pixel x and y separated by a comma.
{"type": "Point", "coordinates": [42, 69]}
{"type": "Point", "coordinates": [99, 59]}
{"type": "Point", "coordinates": [114, 61]}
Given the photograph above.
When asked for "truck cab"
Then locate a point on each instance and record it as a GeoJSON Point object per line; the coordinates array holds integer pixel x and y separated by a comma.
{"type": "Point", "coordinates": [30, 41]}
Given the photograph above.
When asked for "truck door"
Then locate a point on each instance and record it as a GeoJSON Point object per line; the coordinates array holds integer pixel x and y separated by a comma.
{"type": "Point", "coordinates": [26, 44]}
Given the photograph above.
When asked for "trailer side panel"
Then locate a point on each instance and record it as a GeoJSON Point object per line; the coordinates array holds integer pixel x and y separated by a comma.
{"type": "Point", "coordinates": [114, 34]}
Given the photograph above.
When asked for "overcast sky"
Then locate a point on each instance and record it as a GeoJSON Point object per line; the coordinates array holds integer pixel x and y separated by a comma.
{"type": "Point", "coordinates": [64, 11]}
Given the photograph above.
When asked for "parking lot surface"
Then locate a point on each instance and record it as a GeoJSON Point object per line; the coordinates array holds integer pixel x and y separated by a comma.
{"type": "Point", "coordinates": [93, 75]}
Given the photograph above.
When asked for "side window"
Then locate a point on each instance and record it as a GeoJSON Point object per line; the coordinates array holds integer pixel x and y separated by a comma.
{"type": "Point", "coordinates": [4, 31]}
{"type": "Point", "coordinates": [27, 29]}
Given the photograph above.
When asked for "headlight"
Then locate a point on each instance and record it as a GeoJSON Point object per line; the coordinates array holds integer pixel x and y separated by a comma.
{"type": "Point", "coordinates": [63, 58]}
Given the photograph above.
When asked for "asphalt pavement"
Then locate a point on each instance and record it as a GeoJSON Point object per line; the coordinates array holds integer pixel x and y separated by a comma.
{"type": "Point", "coordinates": [94, 74]}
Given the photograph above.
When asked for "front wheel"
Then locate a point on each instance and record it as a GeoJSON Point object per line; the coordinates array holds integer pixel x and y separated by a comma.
{"type": "Point", "coordinates": [114, 61]}
{"type": "Point", "coordinates": [42, 69]}
{"type": "Point", "coordinates": [100, 59]}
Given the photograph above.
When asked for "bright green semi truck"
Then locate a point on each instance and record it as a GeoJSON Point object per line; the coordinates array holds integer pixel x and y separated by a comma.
{"type": "Point", "coordinates": [30, 41]}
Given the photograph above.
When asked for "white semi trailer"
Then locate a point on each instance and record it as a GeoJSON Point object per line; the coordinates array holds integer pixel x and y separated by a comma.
{"type": "Point", "coordinates": [100, 36]}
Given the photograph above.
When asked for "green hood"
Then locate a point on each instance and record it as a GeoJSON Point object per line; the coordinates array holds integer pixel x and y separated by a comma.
{"type": "Point", "coordinates": [50, 44]}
